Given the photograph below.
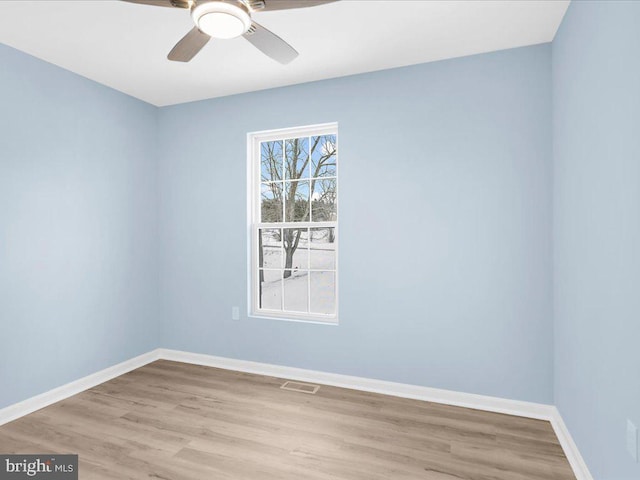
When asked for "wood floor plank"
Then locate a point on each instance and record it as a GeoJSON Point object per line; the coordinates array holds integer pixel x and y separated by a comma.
{"type": "Point", "coordinates": [174, 421]}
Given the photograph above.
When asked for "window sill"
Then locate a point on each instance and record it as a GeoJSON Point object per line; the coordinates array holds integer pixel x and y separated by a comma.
{"type": "Point", "coordinates": [332, 321]}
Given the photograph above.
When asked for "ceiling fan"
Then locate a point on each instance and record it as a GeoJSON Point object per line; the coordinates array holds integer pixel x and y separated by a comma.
{"type": "Point", "coordinates": [230, 19]}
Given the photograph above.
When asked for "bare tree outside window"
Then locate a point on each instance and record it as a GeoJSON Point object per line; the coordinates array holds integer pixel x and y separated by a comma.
{"type": "Point", "coordinates": [305, 188]}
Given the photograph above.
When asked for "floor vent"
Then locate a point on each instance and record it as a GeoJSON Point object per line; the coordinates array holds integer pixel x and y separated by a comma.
{"type": "Point", "coordinates": [300, 387]}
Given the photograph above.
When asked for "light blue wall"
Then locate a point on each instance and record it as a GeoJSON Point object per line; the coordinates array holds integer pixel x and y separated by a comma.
{"type": "Point", "coordinates": [445, 248]}
{"type": "Point", "coordinates": [78, 227]}
{"type": "Point", "coordinates": [596, 93]}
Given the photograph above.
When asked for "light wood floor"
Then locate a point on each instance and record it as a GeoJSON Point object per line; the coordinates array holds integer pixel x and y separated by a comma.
{"type": "Point", "coordinates": [174, 421]}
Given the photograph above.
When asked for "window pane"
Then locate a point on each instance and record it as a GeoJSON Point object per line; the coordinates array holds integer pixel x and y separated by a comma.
{"type": "Point", "coordinates": [294, 223]}
{"type": "Point", "coordinates": [271, 289]}
{"type": "Point", "coordinates": [296, 249]}
{"type": "Point", "coordinates": [297, 158]}
{"type": "Point", "coordinates": [271, 161]}
{"type": "Point", "coordinates": [323, 292]}
{"type": "Point", "coordinates": [323, 156]}
{"type": "Point", "coordinates": [296, 201]}
{"type": "Point", "coordinates": [324, 200]}
{"type": "Point", "coordinates": [296, 291]}
{"type": "Point", "coordinates": [323, 249]}
{"type": "Point", "coordinates": [270, 248]}
{"type": "Point", "coordinates": [271, 202]}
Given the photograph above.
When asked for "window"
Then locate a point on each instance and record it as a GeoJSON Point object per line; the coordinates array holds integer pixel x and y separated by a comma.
{"type": "Point", "coordinates": [293, 217]}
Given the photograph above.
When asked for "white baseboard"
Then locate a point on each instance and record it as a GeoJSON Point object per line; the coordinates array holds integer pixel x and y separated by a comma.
{"type": "Point", "coordinates": [570, 448]}
{"type": "Point", "coordinates": [447, 397]}
{"type": "Point", "coordinates": [468, 400]}
{"type": "Point", "coordinates": [17, 410]}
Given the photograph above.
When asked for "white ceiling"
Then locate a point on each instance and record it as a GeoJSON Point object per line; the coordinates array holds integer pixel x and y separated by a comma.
{"type": "Point", "coordinates": [124, 46]}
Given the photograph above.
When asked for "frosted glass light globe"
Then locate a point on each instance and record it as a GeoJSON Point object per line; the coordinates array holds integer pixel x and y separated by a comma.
{"type": "Point", "coordinates": [221, 20]}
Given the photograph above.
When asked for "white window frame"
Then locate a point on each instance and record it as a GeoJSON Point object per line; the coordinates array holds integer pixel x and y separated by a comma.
{"type": "Point", "coordinates": [254, 139]}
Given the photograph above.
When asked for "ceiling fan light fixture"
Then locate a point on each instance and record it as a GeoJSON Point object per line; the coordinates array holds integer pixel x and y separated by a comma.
{"type": "Point", "coordinates": [221, 19]}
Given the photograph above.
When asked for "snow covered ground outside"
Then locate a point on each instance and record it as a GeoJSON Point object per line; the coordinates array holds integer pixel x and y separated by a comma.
{"type": "Point", "coordinates": [304, 291]}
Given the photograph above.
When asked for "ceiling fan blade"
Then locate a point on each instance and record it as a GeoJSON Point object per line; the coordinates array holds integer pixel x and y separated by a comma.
{"type": "Point", "coordinates": [189, 46]}
{"type": "Point", "coordinates": [162, 3]}
{"type": "Point", "coordinates": [270, 44]}
{"type": "Point", "coordinates": [270, 5]}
